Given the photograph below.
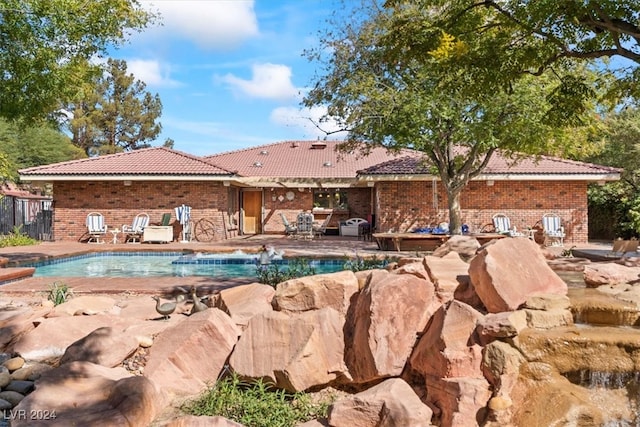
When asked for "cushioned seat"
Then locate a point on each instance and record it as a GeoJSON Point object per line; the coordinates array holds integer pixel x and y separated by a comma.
{"type": "Point", "coordinates": [350, 226]}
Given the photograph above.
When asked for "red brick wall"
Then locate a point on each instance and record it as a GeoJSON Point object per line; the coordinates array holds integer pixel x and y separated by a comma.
{"type": "Point", "coordinates": [400, 206]}
{"type": "Point", "coordinates": [120, 204]}
{"type": "Point", "coordinates": [403, 206]}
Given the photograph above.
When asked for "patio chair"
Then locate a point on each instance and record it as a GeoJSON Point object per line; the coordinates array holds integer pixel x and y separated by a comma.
{"type": "Point", "coordinates": [621, 247]}
{"type": "Point", "coordinates": [502, 225]}
{"type": "Point", "coordinates": [133, 233]}
{"type": "Point", "coordinates": [553, 230]}
{"type": "Point", "coordinates": [289, 229]}
{"type": "Point", "coordinates": [319, 229]}
{"type": "Point", "coordinates": [305, 225]}
{"type": "Point", "coordinates": [96, 227]}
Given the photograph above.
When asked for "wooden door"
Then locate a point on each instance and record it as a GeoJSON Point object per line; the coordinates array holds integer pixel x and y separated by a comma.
{"type": "Point", "coordinates": [251, 212]}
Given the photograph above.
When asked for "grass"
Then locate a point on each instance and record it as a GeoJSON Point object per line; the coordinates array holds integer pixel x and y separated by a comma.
{"type": "Point", "coordinates": [59, 293]}
{"type": "Point", "coordinates": [257, 404]}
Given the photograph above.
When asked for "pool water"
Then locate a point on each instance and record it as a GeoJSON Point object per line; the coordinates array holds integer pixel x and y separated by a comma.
{"type": "Point", "coordinates": [165, 265]}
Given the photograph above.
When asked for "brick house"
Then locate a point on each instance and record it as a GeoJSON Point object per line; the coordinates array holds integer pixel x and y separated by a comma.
{"type": "Point", "coordinates": [249, 189]}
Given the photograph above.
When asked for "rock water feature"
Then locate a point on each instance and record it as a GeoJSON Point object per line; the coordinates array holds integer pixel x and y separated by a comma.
{"type": "Point", "coordinates": [457, 338]}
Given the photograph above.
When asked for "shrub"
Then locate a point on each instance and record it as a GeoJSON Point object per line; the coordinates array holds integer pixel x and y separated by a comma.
{"type": "Point", "coordinates": [59, 293]}
{"type": "Point", "coordinates": [16, 238]}
{"type": "Point", "coordinates": [272, 274]}
{"type": "Point", "coordinates": [257, 404]}
{"type": "Point", "coordinates": [360, 264]}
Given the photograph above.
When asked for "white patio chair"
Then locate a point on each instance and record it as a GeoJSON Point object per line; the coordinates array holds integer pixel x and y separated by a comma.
{"type": "Point", "coordinates": [289, 229]}
{"type": "Point", "coordinates": [502, 225]}
{"type": "Point", "coordinates": [96, 227]}
{"type": "Point", "coordinates": [133, 233]}
{"type": "Point", "coordinates": [321, 229]}
{"type": "Point", "coordinates": [553, 230]}
{"type": "Point", "coordinates": [305, 225]}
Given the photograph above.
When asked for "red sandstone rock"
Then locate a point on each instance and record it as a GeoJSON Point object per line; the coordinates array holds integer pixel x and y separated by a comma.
{"type": "Point", "coordinates": [390, 403]}
{"type": "Point", "coordinates": [315, 292]}
{"type": "Point", "coordinates": [609, 274]}
{"type": "Point", "coordinates": [462, 401]}
{"type": "Point", "coordinates": [244, 302]}
{"type": "Point", "coordinates": [84, 394]}
{"type": "Point", "coordinates": [105, 346]}
{"type": "Point", "coordinates": [448, 347]}
{"type": "Point", "coordinates": [295, 351]}
{"type": "Point", "coordinates": [388, 315]}
{"type": "Point", "coordinates": [52, 336]}
{"type": "Point", "coordinates": [448, 273]}
{"type": "Point", "coordinates": [508, 271]}
{"type": "Point", "coordinates": [85, 304]}
{"type": "Point", "coordinates": [187, 357]}
{"type": "Point", "coordinates": [465, 246]}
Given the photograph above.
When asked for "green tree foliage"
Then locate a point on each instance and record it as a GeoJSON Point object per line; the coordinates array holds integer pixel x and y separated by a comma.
{"type": "Point", "coordinates": [35, 145]}
{"type": "Point", "coordinates": [531, 36]}
{"type": "Point", "coordinates": [390, 82]}
{"type": "Point", "coordinates": [115, 113]}
{"type": "Point", "coordinates": [45, 46]}
{"type": "Point", "coordinates": [617, 204]}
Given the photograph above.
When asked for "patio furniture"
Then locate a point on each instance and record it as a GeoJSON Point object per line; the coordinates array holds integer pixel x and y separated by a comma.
{"type": "Point", "coordinates": [553, 230]}
{"type": "Point", "coordinates": [320, 229]}
{"type": "Point", "coordinates": [350, 226]}
{"type": "Point", "coordinates": [133, 233]}
{"type": "Point", "coordinates": [502, 225]}
{"type": "Point", "coordinates": [416, 241]}
{"type": "Point", "coordinates": [183, 215]}
{"type": "Point", "coordinates": [289, 229]}
{"type": "Point", "coordinates": [96, 227]}
{"type": "Point", "coordinates": [621, 247]}
{"type": "Point", "coordinates": [305, 225]}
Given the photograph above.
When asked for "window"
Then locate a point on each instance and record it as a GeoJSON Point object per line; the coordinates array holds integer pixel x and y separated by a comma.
{"type": "Point", "coordinates": [330, 199]}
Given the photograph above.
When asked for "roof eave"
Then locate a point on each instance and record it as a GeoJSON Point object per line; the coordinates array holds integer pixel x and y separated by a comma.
{"type": "Point", "coordinates": [124, 177]}
{"type": "Point", "coordinates": [592, 177]}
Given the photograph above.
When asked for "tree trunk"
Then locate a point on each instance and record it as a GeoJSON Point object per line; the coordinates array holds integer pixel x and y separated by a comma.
{"type": "Point", "coordinates": [455, 221]}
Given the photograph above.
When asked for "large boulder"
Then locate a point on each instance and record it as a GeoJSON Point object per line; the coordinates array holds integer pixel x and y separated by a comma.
{"type": "Point", "coordinates": [295, 351]}
{"type": "Point", "coordinates": [314, 292]}
{"type": "Point", "coordinates": [448, 273]}
{"type": "Point", "coordinates": [609, 273]}
{"type": "Point", "coordinates": [86, 305]}
{"type": "Point", "coordinates": [465, 246]}
{"type": "Point", "coordinates": [462, 401]}
{"type": "Point", "coordinates": [448, 347]}
{"type": "Point", "coordinates": [105, 346]}
{"type": "Point", "coordinates": [187, 357]}
{"type": "Point", "coordinates": [244, 302]}
{"type": "Point", "coordinates": [52, 336]}
{"type": "Point", "coordinates": [84, 394]}
{"type": "Point", "coordinates": [390, 403]}
{"type": "Point", "coordinates": [16, 320]}
{"type": "Point", "coordinates": [505, 273]}
{"type": "Point", "coordinates": [388, 315]}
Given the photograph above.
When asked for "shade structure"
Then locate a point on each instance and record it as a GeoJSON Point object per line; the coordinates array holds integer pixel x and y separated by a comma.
{"type": "Point", "coordinates": [183, 214]}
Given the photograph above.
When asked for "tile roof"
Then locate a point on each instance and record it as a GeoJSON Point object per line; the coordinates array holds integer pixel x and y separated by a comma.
{"type": "Point", "coordinates": [299, 159]}
{"type": "Point", "coordinates": [147, 161]}
{"type": "Point", "coordinates": [498, 165]}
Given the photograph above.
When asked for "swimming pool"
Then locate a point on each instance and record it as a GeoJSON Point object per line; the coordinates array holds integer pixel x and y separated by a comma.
{"type": "Point", "coordinates": [166, 264]}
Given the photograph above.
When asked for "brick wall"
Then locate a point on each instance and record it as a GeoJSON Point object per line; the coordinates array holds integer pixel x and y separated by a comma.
{"type": "Point", "coordinates": [399, 206]}
{"type": "Point", "coordinates": [120, 204]}
{"type": "Point", "coordinates": [404, 206]}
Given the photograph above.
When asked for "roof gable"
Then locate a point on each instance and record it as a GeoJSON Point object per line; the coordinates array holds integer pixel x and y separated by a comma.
{"type": "Point", "coordinates": [146, 161]}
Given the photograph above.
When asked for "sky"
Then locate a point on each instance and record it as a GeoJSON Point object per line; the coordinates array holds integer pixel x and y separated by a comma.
{"type": "Point", "coordinates": [230, 73]}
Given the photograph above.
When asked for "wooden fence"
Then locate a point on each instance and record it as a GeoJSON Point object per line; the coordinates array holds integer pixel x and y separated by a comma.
{"type": "Point", "coordinates": [32, 216]}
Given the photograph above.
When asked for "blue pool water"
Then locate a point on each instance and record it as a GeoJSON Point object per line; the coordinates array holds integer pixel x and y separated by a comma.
{"type": "Point", "coordinates": [172, 264]}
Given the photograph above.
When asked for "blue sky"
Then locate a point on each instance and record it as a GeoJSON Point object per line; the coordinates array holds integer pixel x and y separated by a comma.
{"type": "Point", "coordinates": [230, 73]}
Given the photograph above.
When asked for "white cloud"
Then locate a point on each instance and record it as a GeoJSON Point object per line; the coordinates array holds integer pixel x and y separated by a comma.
{"type": "Point", "coordinates": [210, 24]}
{"type": "Point", "coordinates": [269, 81]}
{"type": "Point", "coordinates": [307, 120]}
{"type": "Point", "coordinates": [150, 72]}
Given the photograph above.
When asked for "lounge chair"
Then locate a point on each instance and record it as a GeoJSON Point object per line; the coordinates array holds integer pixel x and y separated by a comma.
{"type": "Point", "coordinates": [96, 227]}
{"type": "Point", "coordinates": [553, 230]}
{"type": "Point", "coordinates": [622, 247]}
{"type": "Point", "coordinates": [133, 232]}
{"type": "Point", "coordinates": [289, 229]}
{"type": "Point", "coordinates": [502, 225]}
{"type": "Point", "coordinates": [321, 228]}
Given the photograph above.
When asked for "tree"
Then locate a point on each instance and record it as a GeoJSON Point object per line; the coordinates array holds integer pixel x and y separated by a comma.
{"type": "Point", "coordinates": [35, 146]}
{"type": "Point", "coordinates": [383, 92]}
{"type": "Point", "coordinates": [532, 36]}
{"type": "Point", "coordinates": [615, 207]}
{"type": "Point", "coordinates": [115, 113]}
{"type": "Point", "coordinates": [45, 46]}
